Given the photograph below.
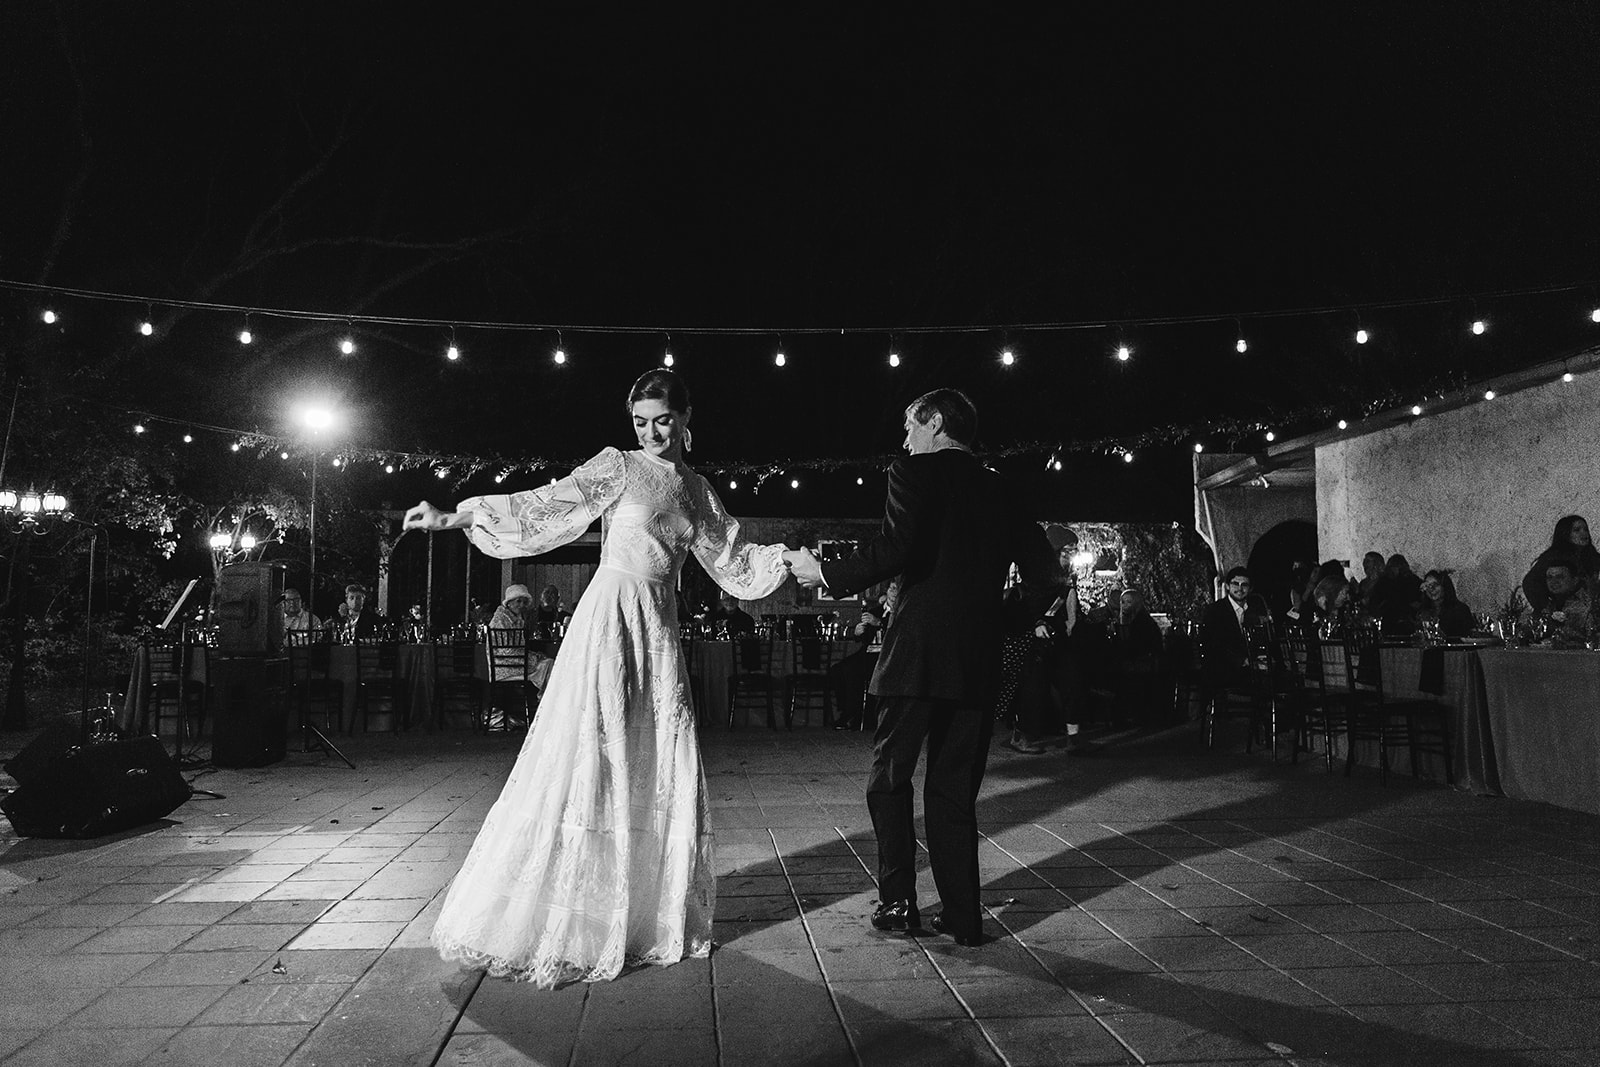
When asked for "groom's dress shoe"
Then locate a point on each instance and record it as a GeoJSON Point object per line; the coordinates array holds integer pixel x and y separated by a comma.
{"type": "Point", "coordinates": [968, 940]}
{"type": "Point", "coordinates": [897, 915]}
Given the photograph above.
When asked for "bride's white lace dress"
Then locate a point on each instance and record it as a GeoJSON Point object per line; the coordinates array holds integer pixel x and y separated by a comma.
{"type": "Point", "coordinates": [597, 854]}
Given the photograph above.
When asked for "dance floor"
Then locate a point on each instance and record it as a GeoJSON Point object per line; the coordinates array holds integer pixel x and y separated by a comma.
{"type": "Point", "coordinates": [1156, 904]}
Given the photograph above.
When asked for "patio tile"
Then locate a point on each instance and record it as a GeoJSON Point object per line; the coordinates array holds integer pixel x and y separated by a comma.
{"type": "Point", "coordinates": [102, 1048]}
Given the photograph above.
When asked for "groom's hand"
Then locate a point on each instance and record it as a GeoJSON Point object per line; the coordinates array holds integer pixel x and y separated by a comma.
{"type": "Point", "coordinates": [807, 571]}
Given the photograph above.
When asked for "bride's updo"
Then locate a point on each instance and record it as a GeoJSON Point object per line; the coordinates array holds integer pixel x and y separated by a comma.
{"type": "Point", "coordinates": [660, 384]}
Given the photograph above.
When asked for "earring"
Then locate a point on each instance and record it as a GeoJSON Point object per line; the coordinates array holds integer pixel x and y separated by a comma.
{"type": "Point", "coordinates": [688, 440]}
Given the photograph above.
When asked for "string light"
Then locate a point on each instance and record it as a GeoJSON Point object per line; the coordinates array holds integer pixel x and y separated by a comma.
{"type": "Point", "coordinates": [245, 336]}
{"type": "Point", "coordinates": [441, 472]}
{"type": "Point", "coordinates": [1198, 448]}
{"type": "Point", "coordinates": [560, 357]}
{"type": "Point", "coordinates": [146, 327]}
{"type": "Point", "coordinates": [1479, 326]}
{"type": "Point", "coordinates": [733, 483]}
{"type": "Point", "coordinates": [188, 438]}
{"type": "Point", "coordinates": [1567, 377]}
{"type": "Point", "coordinates": [1271, 436]}
{"type": "Point", "coordinates": [1416, 409]}
{"type": "Point", "coordinates": [234, 447]}
{"type": "Point", "coordinates": [1343, 425]}
{"type": "Point", "coordinates": [388, 468]}
{"type": "Point", "coordinates": [1362, 337]}
{"type": "Point", "coordinates": [860, 480]}
{"type": "Point", "coordinates": [1594, 316]}
{"type": "Point", "coordinates": [138, 427]}
{"type": "Point", "coordinates": [347, 346]}
{"type": "Point", "coordinates": [1124, 353]}
{"type": "Point", "coordinates": [1488, 394]}
{"type": "Point", "coordinates": [1007, 357]}
{"type": "Point", "coordinates": [894, 359]}
{"type": "Point", "coordinates": [779, 359]}
{"type": "Point", "coordinates": [283, 455]}
{"type": "Point", "coordinates": [666, 358]}
{"type": "Point", "coordinates": [1241, 346]}
{"type": "Point", "coordinates": [1058, 464]}
{"type": "Point", "coordinates": [49, 317]}
{"type": "Point", "coordinates": [1127, 457]}
{"type": "Point", "coordinates": [337, 462]}
{"type": "Point", "coordinates": [794, 483]}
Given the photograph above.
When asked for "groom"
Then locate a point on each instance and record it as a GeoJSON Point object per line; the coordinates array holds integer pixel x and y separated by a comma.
{"type": "Point", "coordinates": [951, 529]}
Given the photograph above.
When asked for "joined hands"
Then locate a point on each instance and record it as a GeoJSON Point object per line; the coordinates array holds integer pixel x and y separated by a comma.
{"type": "Point", "coordinates": [805, 567]}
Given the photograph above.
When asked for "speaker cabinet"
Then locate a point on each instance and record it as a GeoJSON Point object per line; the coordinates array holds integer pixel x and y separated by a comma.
{"type": "Point", "coordinates": [65, 790]}
{"type": "Point", "coordinates": [250, 726]}
{"type": "Point", "coordinates": [249, 612]}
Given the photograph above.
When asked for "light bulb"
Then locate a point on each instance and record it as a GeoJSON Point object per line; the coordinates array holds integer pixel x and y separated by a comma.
{"type": "Point", "coordinates": [220, 541]}
{"type": "Point", "coordinates": [147, 327]}
{"type": "Point", "coordinates": [50, 316]}
{"type": "Point", "coordinates": [283, 455]}
{"type": "Point", "coordinates": [234, 447]}
{"type": "Point", "coordinates": [732, 484]}
{"type": "Point", "coordinates": [1488, 394]}
{"type": "Point", "coordinates": [1271, 436]}
{"type": "Point", "coordinates": [1127, 457]}
{"type": "Point", "coordinates": [388, 468]}
{"type": "Point", "coordinates": [337, 462]}
{"type": "Point", "coordinates": [245, 337]}
{"type": "Point", "coordinates": [1241, 346]}
{"type": "Point", "coordinates": [1478, 326]}
{"type": "Point", "coordinates": [860, 480]}
{"type": "Point", "coordinates": [560, 357]}
{"type": "Point", "coordinates": [794, 483]}
{"type": "Point", "coordinates": [247, 541]}
{"type": "Point", "coordinates": [666, 359]}
{"type": "Point", "coordinates": [452, 353]}
{"type": "Point", "coordinates": [1567, 377]}
{"type": "Point", "coordinates": [440, 473]}
{"type": "Point", "coordinates": [779, 359]}
{"type": "Point", "coordinates": [1198, 447]}
{"type": "Point", "coordinates": [188, 438]}
{"type": "Point", "coordinates": [1594, 316]}
{"type": "Point", "coordinates": [1058, 464]}
{"type": "Point", "coordinates": [1124, 353]}
{"type": "Point", "coordinates": [138, 427]}
{"type": "Point", "coordinates": [1362, 337]}
{"type": "Point", "coordinates": [347, 346]}
{"type": "Point", "coordinates": [1007, 357]}
{"type": "Point", "coordinates": [498, 478]}
{"type": "Point", "coordinates": [1416, 409]}
{"type": "Point", "coordinates": [1343, 425]}
{"type": "Point", "coordinates": [894, 359]}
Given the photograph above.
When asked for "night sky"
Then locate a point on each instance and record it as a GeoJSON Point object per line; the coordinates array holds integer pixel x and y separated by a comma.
{"type": "Point", "coordinates": [835, 180]}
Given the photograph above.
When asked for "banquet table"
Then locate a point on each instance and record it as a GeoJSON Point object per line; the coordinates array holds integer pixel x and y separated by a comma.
{"type": "Point", "coordinates": [1544, 721]}
{"type": "Point", "coordinates": [1458, 683]}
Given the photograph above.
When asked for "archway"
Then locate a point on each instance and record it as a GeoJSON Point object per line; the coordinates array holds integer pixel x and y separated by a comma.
{"type": "Point", "coordinates": [1273, 559]}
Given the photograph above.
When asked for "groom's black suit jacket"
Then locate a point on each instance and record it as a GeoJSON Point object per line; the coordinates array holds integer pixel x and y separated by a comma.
{"type": "Point", "coordinates": [951, 529]}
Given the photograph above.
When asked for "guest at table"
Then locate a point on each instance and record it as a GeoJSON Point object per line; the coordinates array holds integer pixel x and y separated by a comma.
{"type": "Point", "coordinates": [1371, 572]}
{"type": "Point", "coordinates": [1136, 644]}
{"type": "Point", "coordinates": [1397, 596]}
{"type": "Point", "coordinates": [515, 610]}
{"type": "Point", "coordinates": [1335, 597]}
{"type": "Point", "coordinates": [1441, 605]}
{"type": "Point", "coordinates": [733, 618]}
{"type": "Point", "coordinates": [1224, 649]}
{"type": "Point", "coordinates": [1571, 541]}
{"type": "Point", "coordinates": [1568, 602]}
{"type": "Point", "coordinates": [355, 618]}
{"type": "Point", "coordinates": [295, 615]}
{"type": "Point", "coordinates": [551, 612]}
{"type": "Point", "coordinates": [851, 674]}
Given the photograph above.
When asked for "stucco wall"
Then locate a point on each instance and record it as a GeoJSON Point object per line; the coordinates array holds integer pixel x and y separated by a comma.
{"type": "Point", "coordinates": [1477, 490]}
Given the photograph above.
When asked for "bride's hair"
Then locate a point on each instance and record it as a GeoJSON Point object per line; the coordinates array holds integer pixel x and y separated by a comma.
{"type": "Point", "coordinates": [660, 384]}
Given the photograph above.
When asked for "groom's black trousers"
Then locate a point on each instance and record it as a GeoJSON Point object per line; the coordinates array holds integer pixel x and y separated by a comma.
{"type": "Point", "coordinates": [958, 749]}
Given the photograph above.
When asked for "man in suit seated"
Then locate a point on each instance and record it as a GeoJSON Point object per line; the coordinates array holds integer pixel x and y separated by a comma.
{"type": "Point", "coordinates": [1224, 632]}
{"type": "Point", "coordinates": [355, 618]}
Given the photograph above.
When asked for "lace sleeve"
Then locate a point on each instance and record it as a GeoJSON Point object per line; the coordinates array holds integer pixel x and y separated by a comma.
{"type": "Point", "coordinates": [748, 571]}
{"type": "Point", "coordinates": [526, 524]}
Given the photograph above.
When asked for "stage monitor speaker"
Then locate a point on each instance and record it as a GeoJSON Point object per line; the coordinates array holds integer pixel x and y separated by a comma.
{"type": "Point", "coordinates": [64, 790]}
{"type": "Point", "coordinates": [250, 725]}
{"type": "Point", "coordinates": [249, 609]}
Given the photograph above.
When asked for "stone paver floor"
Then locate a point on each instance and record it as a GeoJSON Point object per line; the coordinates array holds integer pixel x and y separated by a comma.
{"type": "Point", "coordinates": [1158, 904]}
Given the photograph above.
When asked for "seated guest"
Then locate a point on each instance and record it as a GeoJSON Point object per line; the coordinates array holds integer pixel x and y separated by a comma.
{"type": "Point", "coordinates": [1334, 598]}
{"type": "Point", "coordinates": [1570, 542]}
{"type": "Point", "coordinates": [1397, 596]}
{"type": "Point", "coordinates": [851, 673]}
{"type": "Point", "coordinates": [1567, 600]}
{"type": "Point", "coordinates": [1136, 655]}
{"type": "Point", "coordinates": [550, 609]}
{"type": "Point", "coordinates": [295, 615]}
{"type": "Point", "coordinates": [1441, 605]}
{"type": "Point", "coordinates": [734, 618]}
{"type": "Point", "coordinates": [355, 618]}
{"type": "Point", "coordinates": [514, 612]}
{"type": "Point", "coordinates": [1224, 649]}
{"type": "Point", "coordinates": [1371, 571]}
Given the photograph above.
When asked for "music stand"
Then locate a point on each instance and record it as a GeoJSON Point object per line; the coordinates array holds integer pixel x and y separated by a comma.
{"type": "Point", "coordinates": [183, 664]}
{"type": "Point", "coordinates": [308, 732]}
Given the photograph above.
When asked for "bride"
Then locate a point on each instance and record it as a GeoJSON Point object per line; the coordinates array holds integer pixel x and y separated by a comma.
{"type": "Point", "coordinates": [597, 856]}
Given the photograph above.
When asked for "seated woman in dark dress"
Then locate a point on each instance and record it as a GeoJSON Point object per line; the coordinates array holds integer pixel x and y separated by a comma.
{"type": "Point", "coordinates": [1441, 603]}
{"type": "Point", "coordinates": [1571, 541]}
{"type": "Point", "coordinates": [1397, 597]}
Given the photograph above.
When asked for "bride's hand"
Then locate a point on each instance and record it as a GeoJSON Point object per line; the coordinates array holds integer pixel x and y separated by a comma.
{"type": "Point", "coordinates": [425, 517]}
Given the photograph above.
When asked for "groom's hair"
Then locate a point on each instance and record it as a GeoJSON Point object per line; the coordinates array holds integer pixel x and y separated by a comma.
{"type": "Point", "coordinates": [959, 413]}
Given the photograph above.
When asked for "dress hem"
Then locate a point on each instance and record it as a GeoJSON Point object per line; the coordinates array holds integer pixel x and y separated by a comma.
{"type": "Point", "coordinates": [555, 974]}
